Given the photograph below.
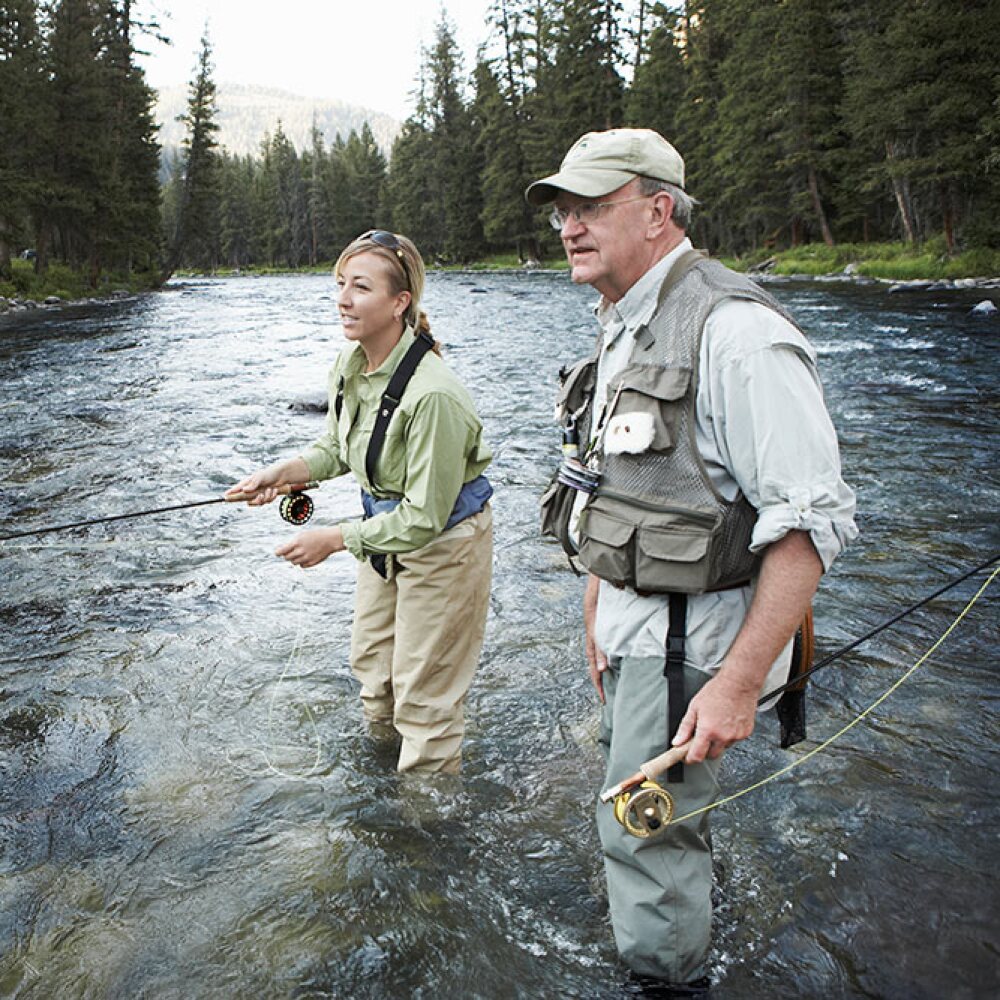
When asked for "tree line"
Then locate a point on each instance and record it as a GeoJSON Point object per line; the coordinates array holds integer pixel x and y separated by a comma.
{"type": "Point", "coordinates": [78, 153]}
{"type": "Point", "coordinates": [799, 120]}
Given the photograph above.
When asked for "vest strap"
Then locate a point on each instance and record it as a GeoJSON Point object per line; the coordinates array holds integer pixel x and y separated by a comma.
{"type": "Point", "coordinates": [422, 343]}
{"type": "Point", "coordinates": [673, 670]}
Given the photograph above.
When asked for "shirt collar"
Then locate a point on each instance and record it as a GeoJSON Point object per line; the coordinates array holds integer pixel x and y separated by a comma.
{"type": "Point", "coordinates": [358, 360]}
{"type": "Point", "coordinates": [636, 307]}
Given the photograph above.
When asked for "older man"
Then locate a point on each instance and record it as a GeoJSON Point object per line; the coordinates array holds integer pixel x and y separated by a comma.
{"type": "Point", "coordinates": [710, 503]}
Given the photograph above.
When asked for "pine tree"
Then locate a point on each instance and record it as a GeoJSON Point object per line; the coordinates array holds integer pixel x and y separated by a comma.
{"type": "Point", "coordinates": [584, 76]}
{"type": "Point", "coordinates": [237, 176]}
{"type": "Point", "coordinates": [73, 169]}
{"type": "Point", "coordinates": [659, 81]}
{"type": "Point", "coordinates": [409, 184]}
{"type": "Point", "coordinates": [128, 222]}
{"type": "Point", "coordinates": [22, 91]}
{"type": "Point", "coordinates": [196, 237]}
{"type": "Point", "coordinates": [457, 165]}
{"type": "Point", "coordinates": [706, 44]}
{"type": "Point", "coordinates": [499, 121]}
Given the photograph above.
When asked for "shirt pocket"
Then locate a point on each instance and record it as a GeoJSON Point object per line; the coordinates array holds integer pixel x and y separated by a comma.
{"type": "Point", "coordinates": [647, 406]}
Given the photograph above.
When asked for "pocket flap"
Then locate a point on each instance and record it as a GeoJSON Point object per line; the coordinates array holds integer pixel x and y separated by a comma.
{"type": "Point", "coordinates": [602, 528]}
{"type": "Point", "coordinates": [673, 545]}
{"type": "Point", "coordinates": [654, 380]}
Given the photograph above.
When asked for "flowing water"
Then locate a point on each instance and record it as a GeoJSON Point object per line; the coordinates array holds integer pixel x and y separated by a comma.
{"type": "Point", "coordinates": [189, 806]}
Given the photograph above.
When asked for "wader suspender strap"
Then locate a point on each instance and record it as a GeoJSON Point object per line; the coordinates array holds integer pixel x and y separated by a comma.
{"type": "Point", "coordinates": [673, 670]}
{"type": "Point", "coordinates": [422, 343]}
{"type": "Point", "coordinates": [390, 400]}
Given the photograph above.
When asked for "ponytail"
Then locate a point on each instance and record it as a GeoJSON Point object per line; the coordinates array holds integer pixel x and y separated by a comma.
{"type": "Point", "coordinates": [423, 325]}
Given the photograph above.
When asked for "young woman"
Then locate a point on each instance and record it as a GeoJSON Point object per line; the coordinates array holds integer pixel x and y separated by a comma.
{"type": "Point", "coordinates": [425, 547]}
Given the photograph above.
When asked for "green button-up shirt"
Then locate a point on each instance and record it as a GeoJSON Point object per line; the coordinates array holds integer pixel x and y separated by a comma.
{"type": "Point", "coordinates": [433, 446]}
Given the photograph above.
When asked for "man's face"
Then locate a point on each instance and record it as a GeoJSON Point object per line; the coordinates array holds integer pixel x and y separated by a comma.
{"type": "Point", "coordinates": [605, 247]}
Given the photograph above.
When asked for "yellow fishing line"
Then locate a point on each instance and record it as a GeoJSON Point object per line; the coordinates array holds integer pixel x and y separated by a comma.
{"type": "Point", "coordinates": [836, 736]}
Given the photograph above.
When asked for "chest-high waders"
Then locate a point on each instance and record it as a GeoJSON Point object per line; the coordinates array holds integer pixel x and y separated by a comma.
{"type": "Point", "coordinates": [422, 343]}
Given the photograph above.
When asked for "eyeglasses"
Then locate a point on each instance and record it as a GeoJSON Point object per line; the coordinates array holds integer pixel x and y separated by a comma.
{"type": "Point", "coordinates": [587, 212]}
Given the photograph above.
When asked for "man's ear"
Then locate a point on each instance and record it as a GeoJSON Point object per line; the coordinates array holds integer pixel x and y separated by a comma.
{"type": "Point", "coordinates": [663, 209]}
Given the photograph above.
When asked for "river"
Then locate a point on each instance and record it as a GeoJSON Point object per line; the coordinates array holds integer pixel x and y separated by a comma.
{"type": "Point", "coordinates": [189, 807]}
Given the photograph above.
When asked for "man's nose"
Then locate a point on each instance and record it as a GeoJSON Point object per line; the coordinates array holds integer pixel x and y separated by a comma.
{"type": "Point", "coordinates": [571, 227]}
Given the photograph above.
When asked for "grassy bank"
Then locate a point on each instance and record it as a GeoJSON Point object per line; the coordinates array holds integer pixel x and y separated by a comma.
{"type": "Point", "coordinates": [66, 283]}
{"type": "Point", "coordinates": [889, 261]}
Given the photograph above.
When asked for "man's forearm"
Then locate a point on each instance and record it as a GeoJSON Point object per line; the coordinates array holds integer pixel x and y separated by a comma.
{"type": "Point", "coordinates": [789, 574]}
{"type": "Point", "coordinates": [725, 709]}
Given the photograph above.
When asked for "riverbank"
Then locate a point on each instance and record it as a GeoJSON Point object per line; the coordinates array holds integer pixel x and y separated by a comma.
{"type": "Point", "coordinates": [898, 266]}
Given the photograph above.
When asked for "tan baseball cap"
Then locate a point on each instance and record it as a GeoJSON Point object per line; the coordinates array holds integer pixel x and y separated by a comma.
{"type": "Point", "coordinates": [601, 162]}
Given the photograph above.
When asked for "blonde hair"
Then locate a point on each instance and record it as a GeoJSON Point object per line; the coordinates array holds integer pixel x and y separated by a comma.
{"type": "Point", "coordinates": [407, 273]}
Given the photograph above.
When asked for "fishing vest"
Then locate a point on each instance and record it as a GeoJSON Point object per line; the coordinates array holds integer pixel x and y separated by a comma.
{"type": "Point", "coordinates": [655, 522]}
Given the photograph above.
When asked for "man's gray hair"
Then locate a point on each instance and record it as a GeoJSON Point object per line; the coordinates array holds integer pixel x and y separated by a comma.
{"type": "Point", "coordinates": [683, 202]}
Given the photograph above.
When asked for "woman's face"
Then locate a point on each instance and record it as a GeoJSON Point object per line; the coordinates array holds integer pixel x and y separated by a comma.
{"type": "Point", "coordinates": [369, 309]}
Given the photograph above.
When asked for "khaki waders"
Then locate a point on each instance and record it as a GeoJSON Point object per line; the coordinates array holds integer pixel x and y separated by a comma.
{"type": "Point", "coordinates": [417, 638]}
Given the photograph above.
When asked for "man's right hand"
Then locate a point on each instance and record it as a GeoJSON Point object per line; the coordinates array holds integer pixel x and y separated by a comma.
{"type": "Point", "coordinates": [596, 659]}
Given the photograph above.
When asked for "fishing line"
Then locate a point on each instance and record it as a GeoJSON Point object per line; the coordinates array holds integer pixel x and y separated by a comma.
{"type": "Point", "coordinates": [294, 659]}
{"type": "Point", "coordinates": [871, 708]}
{"type": "Point", "coordinates": [837, 654]}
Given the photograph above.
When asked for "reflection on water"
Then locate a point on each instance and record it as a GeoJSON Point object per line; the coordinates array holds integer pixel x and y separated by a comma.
{"type": "Point", "coordinates": [189, 806]}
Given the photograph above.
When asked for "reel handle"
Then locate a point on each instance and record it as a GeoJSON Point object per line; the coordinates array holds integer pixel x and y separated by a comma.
{"type": "Point", "coordinates": [649, 770]}
{"type": "Point", "coordinates": [282, 490]}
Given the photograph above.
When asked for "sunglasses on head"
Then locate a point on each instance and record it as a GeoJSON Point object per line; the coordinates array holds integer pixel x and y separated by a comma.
{"type": "Point", "coordinates": [383, 238]}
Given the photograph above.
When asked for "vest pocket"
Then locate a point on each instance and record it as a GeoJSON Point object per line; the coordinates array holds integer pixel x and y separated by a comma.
{"type": "Point", "coordinates": [656, 394]}
{"type": "Point", "coordinates": [605, 545]}
{"type": "Point", "coordinates": [651, 548]}
{"type": "Point", "coordinates": [677, 554]}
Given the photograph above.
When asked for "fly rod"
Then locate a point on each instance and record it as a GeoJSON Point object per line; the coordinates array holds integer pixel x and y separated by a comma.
{"type": "Point", "coordinates": [296, 508]}
{"type": "Point", "coordinates": [854, 643]}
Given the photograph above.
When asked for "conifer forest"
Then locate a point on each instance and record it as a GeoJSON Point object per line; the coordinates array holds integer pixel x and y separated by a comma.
{"type": "Point", "coordinates": [801, 121]}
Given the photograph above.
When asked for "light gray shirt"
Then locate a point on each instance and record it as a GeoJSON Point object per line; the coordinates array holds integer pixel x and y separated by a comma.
{"type": "Point", "coordinates": [761, 427]}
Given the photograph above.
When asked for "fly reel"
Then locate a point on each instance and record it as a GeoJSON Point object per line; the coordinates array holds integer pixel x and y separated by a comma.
{"type": "Point", "coordinates": [296, 508]}
{"type": "Point", "coordinates": [645, 810]}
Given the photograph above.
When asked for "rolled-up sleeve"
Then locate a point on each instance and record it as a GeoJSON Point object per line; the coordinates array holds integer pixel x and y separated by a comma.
{"type": "Point", "coordinates": [775, 436]}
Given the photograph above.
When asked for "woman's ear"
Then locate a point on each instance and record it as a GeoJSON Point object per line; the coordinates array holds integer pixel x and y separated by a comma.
{"type": "Point", "coordinates": [403, 300]}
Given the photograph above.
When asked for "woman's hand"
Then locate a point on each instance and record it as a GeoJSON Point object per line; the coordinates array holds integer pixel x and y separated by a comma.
{"type": "Point", "coordinates": [310, 548]}
{"type": "Point", "coordinates": [263, 483]}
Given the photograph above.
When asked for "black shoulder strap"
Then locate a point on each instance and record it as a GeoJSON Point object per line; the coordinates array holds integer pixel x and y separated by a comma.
{"type": "Point", "coordinates": [338, 403]}
{"type": "Point", "coordinates": [390, 400]}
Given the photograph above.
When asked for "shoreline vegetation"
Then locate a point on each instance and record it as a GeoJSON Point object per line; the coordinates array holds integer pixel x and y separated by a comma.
{"type": "Point", "coordinates": [894, 264]}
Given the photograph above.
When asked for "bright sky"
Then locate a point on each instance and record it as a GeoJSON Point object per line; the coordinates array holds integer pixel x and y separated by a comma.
{"type": "Point", "coordinates": [365, 52]}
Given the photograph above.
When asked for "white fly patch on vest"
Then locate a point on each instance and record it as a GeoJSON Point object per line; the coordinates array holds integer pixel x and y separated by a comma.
{"type": "Point", "coordinates": [629, 434]}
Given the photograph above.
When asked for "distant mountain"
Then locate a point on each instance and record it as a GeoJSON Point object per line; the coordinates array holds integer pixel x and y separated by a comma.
{"type": "Point", "coordinates": [247, 114]}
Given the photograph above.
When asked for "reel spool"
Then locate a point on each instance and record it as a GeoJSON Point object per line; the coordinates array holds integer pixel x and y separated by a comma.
{"type": "Point", "coordinates": [645, 811]}
{"type": "Point", "coordinates": [296, 508]}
